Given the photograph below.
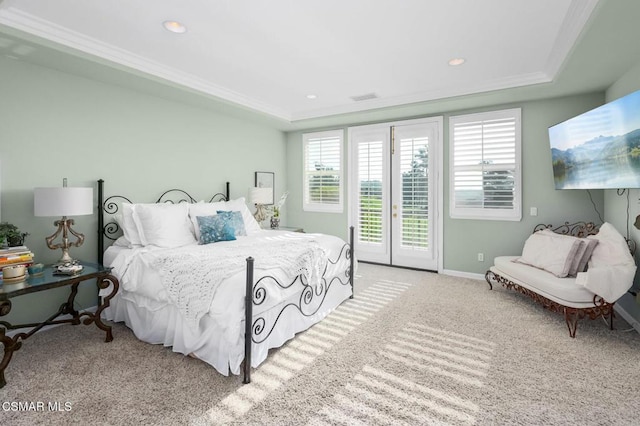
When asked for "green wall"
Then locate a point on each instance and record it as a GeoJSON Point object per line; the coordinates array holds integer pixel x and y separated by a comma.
{"type": "Point", "coordinates": [464, 239]}
{"type": "Point", "coordinates": [55, 125]}
{"type": "Point", "coordinates": [616, 205]}
{"type": "Point", "coordinates": [622, 210]}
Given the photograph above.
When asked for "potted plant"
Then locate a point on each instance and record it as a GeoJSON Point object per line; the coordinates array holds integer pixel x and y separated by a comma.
{"type": "Point", "coordinates": [10, 235]}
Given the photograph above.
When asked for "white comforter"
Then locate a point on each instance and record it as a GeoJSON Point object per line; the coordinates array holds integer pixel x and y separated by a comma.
{"type": "Point", "coordinates": [145, 290]}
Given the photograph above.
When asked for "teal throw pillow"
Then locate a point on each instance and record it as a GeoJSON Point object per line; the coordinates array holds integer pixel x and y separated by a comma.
{"type": "Point", "coordinates": [215, 228]}
{"type": "Point", "coordinates": [235, 219]}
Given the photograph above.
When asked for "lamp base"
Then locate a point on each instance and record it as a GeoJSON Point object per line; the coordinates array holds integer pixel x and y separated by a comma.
{"type": "Point", "coordinates": [66, 258]}
{"type": "Point", "coordinates": [64, 227]}
{"type": "Point", "coordinates": [261, 214]}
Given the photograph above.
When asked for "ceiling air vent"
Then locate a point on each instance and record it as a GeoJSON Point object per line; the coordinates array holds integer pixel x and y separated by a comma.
{"type": "Point", "coordinates": [364, 97]}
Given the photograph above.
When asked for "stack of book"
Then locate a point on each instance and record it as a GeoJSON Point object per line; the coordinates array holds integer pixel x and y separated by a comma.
{"type": "Point", "coordinates": [19, 255]}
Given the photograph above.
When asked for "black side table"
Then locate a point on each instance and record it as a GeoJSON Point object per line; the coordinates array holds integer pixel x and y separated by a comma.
{"type": "Point", "coordinates": [47, 281]}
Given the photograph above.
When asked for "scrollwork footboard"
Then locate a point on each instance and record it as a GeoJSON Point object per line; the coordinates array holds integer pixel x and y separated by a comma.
{"type": "Point", "coordinates": [259, 328]}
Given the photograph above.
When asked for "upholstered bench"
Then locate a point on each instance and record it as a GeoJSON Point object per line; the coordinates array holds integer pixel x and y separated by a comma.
{"type": "Point", "coordinates": [552, 270]}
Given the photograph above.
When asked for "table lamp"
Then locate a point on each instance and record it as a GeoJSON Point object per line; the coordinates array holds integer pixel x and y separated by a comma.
{"type": "Point", "coordinates": [63, 201]}
{"type": "Point", "coordinates": [261, 197]}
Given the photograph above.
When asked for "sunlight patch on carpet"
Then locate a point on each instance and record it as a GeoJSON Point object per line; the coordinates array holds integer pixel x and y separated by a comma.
{"type": "Point", "coordinates": [377, 395]}
{"type": "Point", "coordinates": [347, 310]}
{"type": "Point", "coordinates": [304, 349]}
{"type": "Point", "coordinates": [437, 370]}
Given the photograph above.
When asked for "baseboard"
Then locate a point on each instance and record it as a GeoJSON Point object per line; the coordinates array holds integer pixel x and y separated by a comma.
{"type": "Point", "coordinates": [12, 333]}
{"type": "Point", "coordinates": [462, 274]}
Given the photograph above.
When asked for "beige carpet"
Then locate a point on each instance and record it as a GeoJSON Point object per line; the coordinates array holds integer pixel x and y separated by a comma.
{"type": "Point", "coordinates": [411, 348]}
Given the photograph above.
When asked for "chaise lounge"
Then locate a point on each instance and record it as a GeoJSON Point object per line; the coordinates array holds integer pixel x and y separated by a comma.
{"type": "Point", "coordinates": [576, 269]}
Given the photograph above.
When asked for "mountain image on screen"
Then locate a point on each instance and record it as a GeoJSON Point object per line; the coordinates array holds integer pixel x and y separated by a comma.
{"type": "Point", "coordinates": [599, 149]}
{"type": "Point", "coordinates": [603, 162]}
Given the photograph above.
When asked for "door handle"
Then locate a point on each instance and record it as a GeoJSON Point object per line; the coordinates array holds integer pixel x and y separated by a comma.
{"type": "Point", "coordinates": [395, 215]}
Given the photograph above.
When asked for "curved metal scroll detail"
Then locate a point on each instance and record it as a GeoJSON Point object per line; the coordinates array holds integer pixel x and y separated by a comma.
{"type": "Point", "coordinates": [175, 196]}
{"type": "Point", "coordinates": [577, 229]}
{"type": "Point", "coordinates": [581, 230]}
{"type": "Point", "coordinates": [601, 308]}
{"type": "Point", "coordinates": [218, 197]}
{"type": "Point", "coordinates": [308, 304]}
{"type": "Point", "coordinates": [111, 206]}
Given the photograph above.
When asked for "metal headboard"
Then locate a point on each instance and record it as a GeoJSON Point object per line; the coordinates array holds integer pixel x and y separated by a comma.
{"type": "Point", "coordinates": [107, 208]}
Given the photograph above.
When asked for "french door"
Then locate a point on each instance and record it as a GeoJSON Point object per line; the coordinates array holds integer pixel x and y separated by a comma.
{"type": "Point", "coordinates": [394, 192]}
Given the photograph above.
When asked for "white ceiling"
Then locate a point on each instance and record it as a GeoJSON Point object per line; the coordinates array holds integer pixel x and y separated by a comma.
{"type": "Point", "coordinates": [268, 55]}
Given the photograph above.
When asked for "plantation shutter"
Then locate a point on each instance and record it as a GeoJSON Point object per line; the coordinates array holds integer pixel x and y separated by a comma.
{"type": "Point", "coordinates": [414, 160]}
{"type": "Point", "coordinates": [323, 171]}
{"type": "Point", "coordinates": [485, 165]}
{"type": "Point", "coordinates": [370, 177]}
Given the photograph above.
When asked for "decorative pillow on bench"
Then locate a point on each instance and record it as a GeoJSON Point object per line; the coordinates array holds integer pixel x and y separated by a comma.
{"type": "Point", "coordinates": [561, 255]}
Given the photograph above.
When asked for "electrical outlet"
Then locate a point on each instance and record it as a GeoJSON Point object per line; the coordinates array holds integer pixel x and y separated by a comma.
{"type": "Point", "coordinates": [480, 257]}
{"type": "Point", "coordinates": [533, 211]}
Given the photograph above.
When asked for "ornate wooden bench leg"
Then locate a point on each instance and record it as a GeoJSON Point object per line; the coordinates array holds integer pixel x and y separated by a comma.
{"type": "Point", "coordinates": [571, 317]}
{"type": "Point", "coordinates": [611, 315]}
{"type": "Point", "coordinates": [488, 277]}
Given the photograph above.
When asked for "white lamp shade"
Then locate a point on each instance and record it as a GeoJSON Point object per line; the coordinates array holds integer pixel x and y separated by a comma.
{"type": "Point", "coordinates": [261, 195]}
{"type": "Point", "coordinates": [62, 201]}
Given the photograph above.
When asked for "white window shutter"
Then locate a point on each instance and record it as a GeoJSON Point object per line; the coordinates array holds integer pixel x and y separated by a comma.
{"type": "Point", "coordinates": [322, 172]}
{"type": "Point", "coordinates": [485, 180]}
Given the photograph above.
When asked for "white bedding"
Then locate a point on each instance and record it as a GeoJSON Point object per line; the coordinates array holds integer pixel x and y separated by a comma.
{"type": "Point", "coordinates": [147, 307]}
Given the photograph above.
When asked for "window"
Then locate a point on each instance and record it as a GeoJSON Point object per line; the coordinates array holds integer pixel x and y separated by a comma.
{"type": "Point", "coordinates": [323, 171]}
{"type": "Point", "coordinates": [485, 177]}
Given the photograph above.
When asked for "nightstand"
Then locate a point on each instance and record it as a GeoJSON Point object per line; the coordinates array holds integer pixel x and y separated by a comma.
{"type": "Point", "coordinates": [287, 228]}
{"type": "Point", "coordinates": [46, 281]}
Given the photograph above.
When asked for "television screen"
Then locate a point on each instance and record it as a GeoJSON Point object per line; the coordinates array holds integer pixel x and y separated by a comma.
{"type": "Point", "coordinates": [599, 149]}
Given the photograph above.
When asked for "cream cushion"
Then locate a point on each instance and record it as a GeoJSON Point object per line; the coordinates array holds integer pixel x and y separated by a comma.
{"type": "Point", "coordinates": [562, 290]}
{"type": "Point", "coordinates": [552, 252]}
{"type": "Point", "coordinates": [583, 254]}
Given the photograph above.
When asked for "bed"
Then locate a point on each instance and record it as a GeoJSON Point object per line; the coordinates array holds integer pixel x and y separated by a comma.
{"type": "Point", "coordinates": [193, 280]}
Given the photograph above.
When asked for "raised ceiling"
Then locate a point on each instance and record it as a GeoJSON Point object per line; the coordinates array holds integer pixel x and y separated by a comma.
{"type": "Point", "coordinates": [270, 55]}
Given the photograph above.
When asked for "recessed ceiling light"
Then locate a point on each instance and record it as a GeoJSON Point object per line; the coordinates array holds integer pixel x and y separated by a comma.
{"type": "Point", "coordinates": [174, 27]}
{"type": "Point", "coordinates": [456, 61]}
{"type": "Point", "coordinates": [312, 96]}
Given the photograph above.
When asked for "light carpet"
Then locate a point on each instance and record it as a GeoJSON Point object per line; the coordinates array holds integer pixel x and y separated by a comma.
{"type": "Point", "coordinates": [411, 348]}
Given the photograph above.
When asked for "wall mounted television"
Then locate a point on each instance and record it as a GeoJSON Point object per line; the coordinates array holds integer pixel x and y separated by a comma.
{"type": "Point", "coordinates": [599, 149]}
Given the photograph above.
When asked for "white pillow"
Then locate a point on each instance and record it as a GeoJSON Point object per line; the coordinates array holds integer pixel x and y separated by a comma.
{"type": "Point", "coordinates": [583, 254]}
{"type": "Point", "coordinates": [250, 223]}
{"type": "Point", "coordinates": [553, 253]}
{"type": "Point", "coordinates": [164, 224]}
{"type": "Point", "coordinates": [203, 209]}
{"type": "Point", "coordinates": [128, 225]}
{"type": "Point", "coordinates": [612, 248]}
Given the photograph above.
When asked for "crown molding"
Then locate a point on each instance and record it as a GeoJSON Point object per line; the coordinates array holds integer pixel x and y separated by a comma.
{"type": "Point", "coordinates": [572, 27]}
{"type": "Point", "coordinates": [33, 25]}
{"type": "Point", "coordinates": [433, 95]}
